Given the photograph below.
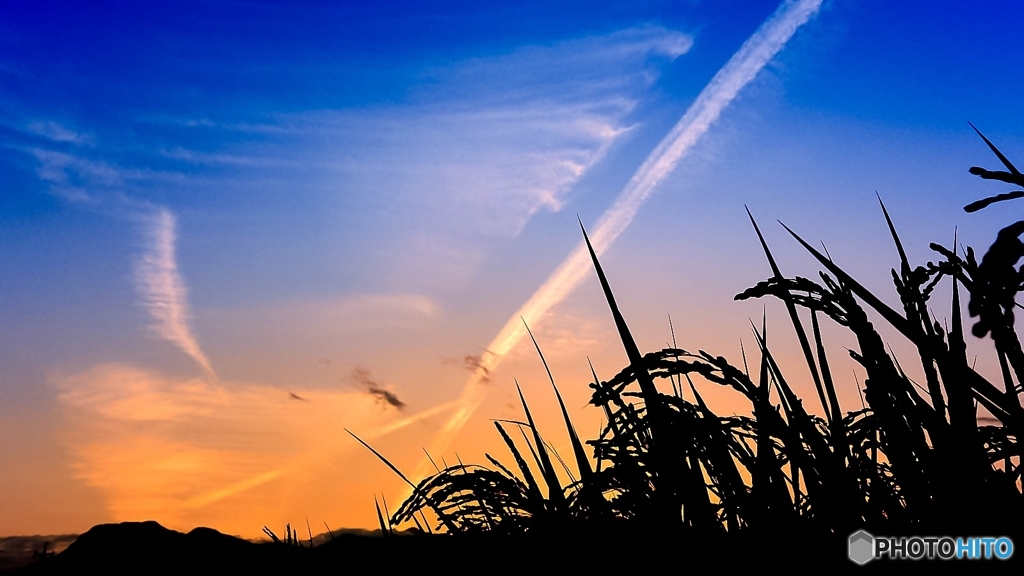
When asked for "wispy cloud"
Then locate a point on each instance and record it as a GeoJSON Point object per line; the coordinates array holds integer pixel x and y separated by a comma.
{"type": "Point", "coordinates": [377, 390]}
{"type": "Point", "coordinates": [58, 133]}
{"type": "Point", "coordinates": [487, 169]}
{"type": "Point", "coordinates": [73, 178]}
{"type": "Point", "coordinates": [163, 291]}
{"type": "Point", "coordinates": [713, 99]}
{"type": "Point", "coordinates": [80, 178]}
{"type": "Point", "coordinates": [229, 454]}
{"type": "Point", "coordinates": [477, 149]}
{"type": "Point", "coordinates": [603, 68]}
{"type": "Point", "coordinates": [480, 147]}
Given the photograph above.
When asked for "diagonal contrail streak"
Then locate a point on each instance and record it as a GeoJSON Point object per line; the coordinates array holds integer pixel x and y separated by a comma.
{"type": "Point", "coordinates": [744, 65]}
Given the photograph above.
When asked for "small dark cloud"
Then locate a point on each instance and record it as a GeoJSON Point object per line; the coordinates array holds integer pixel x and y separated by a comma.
{"type": "Point", "coordinates": [381, 394]}
{"type": "Point", "coordinates": [295, 396]}
{"type": "Point", "coordinates": [386, 396]}
{"type": "Point", "coordinates": [473, 362]}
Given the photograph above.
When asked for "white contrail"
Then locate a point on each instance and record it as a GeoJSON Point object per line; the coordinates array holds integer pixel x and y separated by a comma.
{"type": "Point", "coordinates": [163, 292]}
{"type": "Point", "coordinates": [723, 88]}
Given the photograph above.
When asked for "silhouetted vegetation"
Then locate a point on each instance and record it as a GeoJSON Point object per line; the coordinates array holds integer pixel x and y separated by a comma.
{"type": "Point", "coordinates": [937, 458]}
{"type": "Point", "coordinates": [943, 457]}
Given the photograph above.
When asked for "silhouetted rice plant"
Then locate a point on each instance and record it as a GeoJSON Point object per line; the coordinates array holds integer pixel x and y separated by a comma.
{"type": "Point", "coordinates": [910, 457]}
{"type": "Point", "coordinates": [291, 537]}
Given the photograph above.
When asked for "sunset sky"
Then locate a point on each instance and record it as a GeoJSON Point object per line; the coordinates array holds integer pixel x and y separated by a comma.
{"type": "Point", "coordinates": [231, 230]}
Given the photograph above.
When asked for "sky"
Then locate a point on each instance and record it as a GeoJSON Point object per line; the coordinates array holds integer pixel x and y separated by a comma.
{"type": "Point", "coordinates": [229, 231]}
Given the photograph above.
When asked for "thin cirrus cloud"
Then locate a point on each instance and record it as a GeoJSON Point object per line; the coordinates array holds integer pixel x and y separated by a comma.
{"type": "Point", "coordinates": [163, 291]}
{"type": "Point", "coordinates": [89, 178]}
{"type": "Point", "coordinates": [58, 133]}
{"type": "Point", "coordinates": [605, 68]}
{"type": "Point", "coordinates": [744, 65]}
{"type": "Point", "coordinates": [488, 142]}
{"type": "Point", "coordinates": [73, 178]}
{"type": "Point", "coordinates": [477, 148]}
{"type": "Point", "coordinates": [469, 157]}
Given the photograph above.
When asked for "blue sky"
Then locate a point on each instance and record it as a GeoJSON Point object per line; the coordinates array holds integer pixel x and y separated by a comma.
{"type": "Point", "coordinates": [272, 197]}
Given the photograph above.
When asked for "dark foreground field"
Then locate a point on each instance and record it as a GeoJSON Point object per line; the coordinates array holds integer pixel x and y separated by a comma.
{"type": "Point", "coordinates": [148, 547]}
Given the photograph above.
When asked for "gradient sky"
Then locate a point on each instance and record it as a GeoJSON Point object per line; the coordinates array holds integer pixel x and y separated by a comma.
{"type": "Point", "coordinates": [229, 230]}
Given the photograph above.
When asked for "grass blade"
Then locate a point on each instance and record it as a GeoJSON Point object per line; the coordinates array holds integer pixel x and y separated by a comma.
{"type": "Point", "coordinates": [547, 470]}
{"type": "Point", "coordinates": [582, 462]}
{"type": "Point", "coordinates": [1006, 161]}
{"type": "Point", "coordinates": [795, 318]}
{"type": "Point", "coordinates": [380, 518]}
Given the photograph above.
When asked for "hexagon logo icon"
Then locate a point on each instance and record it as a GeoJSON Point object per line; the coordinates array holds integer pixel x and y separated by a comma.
{"type": "Point", "coordinates": [861, 547]}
